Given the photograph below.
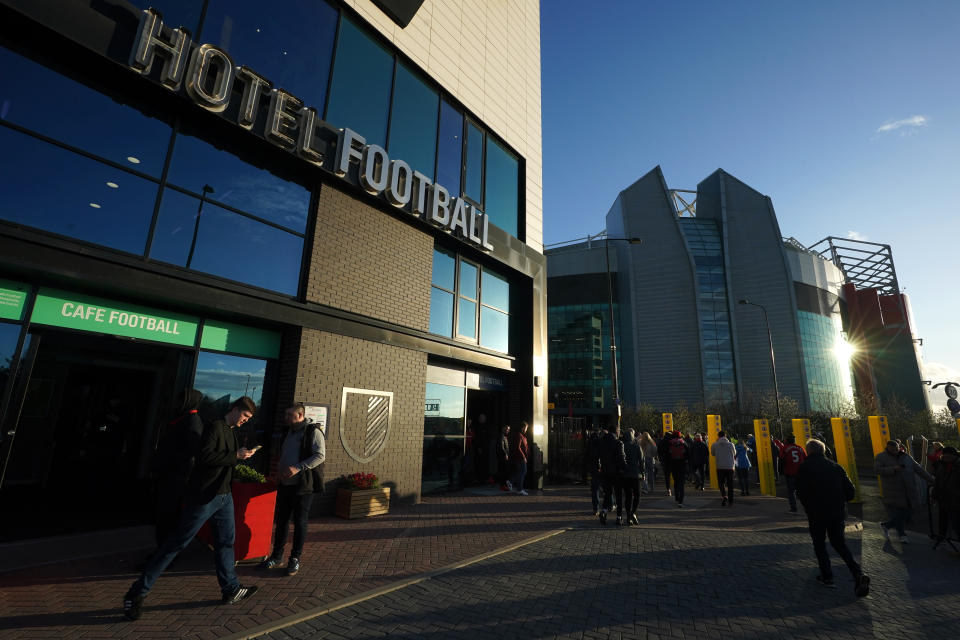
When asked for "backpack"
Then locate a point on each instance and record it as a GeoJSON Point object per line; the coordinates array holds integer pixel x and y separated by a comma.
{"type": "Point", "coordinates": [678, 449]}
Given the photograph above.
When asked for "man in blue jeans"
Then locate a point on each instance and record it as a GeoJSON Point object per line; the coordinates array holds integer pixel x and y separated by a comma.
{"type": "Point", "coordinates": [207, 497]}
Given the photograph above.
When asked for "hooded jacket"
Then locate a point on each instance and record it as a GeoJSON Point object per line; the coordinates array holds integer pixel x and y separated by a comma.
{"type": "Point", "coordinates": [824, 488]}
{"type": "Point", "coordinates": [725, 453]}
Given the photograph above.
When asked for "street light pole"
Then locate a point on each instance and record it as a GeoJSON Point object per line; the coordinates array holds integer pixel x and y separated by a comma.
{"type": "Point", "coordinates": [613, 334]}
{"type": "Point", "coordinates": [773, 363]}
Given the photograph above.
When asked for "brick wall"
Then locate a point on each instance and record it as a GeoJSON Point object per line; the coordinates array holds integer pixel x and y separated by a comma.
{"type": "Point", "coordinates": [325, 364]}
{"type": "Point", "coordinates": [367, 262]}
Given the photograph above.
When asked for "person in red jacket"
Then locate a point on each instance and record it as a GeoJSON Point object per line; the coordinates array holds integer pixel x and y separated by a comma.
{"type": "Point", "coordinates": [519, 454]}
{"type": "Point", "coordinates": [791, 457]}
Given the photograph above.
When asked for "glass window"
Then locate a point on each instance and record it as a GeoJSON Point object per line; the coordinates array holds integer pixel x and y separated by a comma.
{"type": "Point", "coordinates": [467, 319]}
{"type": "Point", "coordinates": [494, 329]}
{"type": "Point", "coordinates": [444, 410]}
{"type": "Point", "coordinates": [503, 174]}
{"type": "Point", "coordinates": [292, 47]}
{"type": "Point", "coordinates": [226, 244]}
{"type": "Point", "coordinates": [443, 436]}
{"type": "Point", "coordinates": [473, 184]}
{"type": "Point", "coordinates": [237, 183]}
{"type": "Point", "coordinates": [176, 13]}
{"type": "Point", "coordinates": [495, 291]}
{"type": "Point", "coordinates": [360, 87]}
{"type": "Point", "coordinates": [223, 379]}
{"type": "Point", "coordinates": [413, 122]}
{"type": "Point", "coordinates": [444, 269]}
{"type": "Point", "coordinates": [468, 280]}
{"type": "Point", "coordinates": [37, 98]}
{"type": "Point", "coordinates": [450, 148]}
{"type": "Point", "coordinates": [59, 191]}
{"type": "Point", "coordinates": [441, 312]}
{"type": "Point", "coordinates": [9, 335]}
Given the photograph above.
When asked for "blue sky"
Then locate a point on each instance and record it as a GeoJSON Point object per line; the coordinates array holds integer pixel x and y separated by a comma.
{"type": "Point", "coordinates": [847, 114]}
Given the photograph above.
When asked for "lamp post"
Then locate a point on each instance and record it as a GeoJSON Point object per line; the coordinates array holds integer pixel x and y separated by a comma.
{"type": "Point", "coordinates": [613, 331]}
{"type": "Point", "coordinates": [773, 362]}
{"type": "Point", "coordinates": [196, 224]}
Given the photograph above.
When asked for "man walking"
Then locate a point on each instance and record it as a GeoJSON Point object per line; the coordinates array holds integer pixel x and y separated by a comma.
{"type": "Point", "coordinates": [699, 458]}
{"type": "Point", "coordinates": [897, 471]}
{"type": "Point", "coordinates": [725, 452]}
{"type": "Point", "coordinates": [824, 490]}
{"type": "Point", "coordinates": [674, 456]}
{"type": "Point", "coordinates": [628, 495]}
{"type": "Point", "coordinates": [792, 456]}
{"type": "Point", "coordinates": [613, 461]}
{"type": "Point", "coordinates": [300, 472]}
{"type": "Point", "coordinates": [207, 497]}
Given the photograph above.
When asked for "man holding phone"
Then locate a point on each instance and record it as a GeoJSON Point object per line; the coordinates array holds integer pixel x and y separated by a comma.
{"type": "Point", "coordinates": [299, 475]}
{"type": "Point", "coordinates": [207, 497]}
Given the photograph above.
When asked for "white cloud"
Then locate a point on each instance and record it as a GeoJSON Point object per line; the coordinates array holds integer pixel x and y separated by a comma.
{"type": "Point", "coordinates": [937, 373]}
{"type": "Point", "coordinates": [909, 125]}
{"type": "Point", "coordinates": [856, 235]}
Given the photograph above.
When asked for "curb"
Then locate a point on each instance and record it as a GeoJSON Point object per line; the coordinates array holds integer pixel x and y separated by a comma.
{"type": "Point", "coordinates": [316, 612]}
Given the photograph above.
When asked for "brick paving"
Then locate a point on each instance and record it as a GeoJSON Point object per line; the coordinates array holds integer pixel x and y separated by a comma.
{"type": "Point", "coordinates": [538, 585]}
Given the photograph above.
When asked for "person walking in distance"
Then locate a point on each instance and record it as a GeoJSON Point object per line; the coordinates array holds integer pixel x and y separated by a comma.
{"type": "Point", "coordinates": [207, 497]}
{"type": "Point", "coordinates": [898, 471]}
{"type": "Point", "coordinates": [699, 458]}
{"type": "Point", "coordinates": [743, 467]}
{"type": "Point", "coordinates": [300, 472]}
{"type": "Point", "coordinates": [824, 490]}
{"type": "Point", "coordinates": [629, 495]}
{"type": "Point", "coordinates": [503, 459]}
{"type": "Point", "coordinates": [612, 463]}
{"type": "Point", "coordinates": [792, 456]}
{"type": "Point", "coordinates": [725, 453]}
{"type": "Point", "coordinates": [649, 448]}
{"type": "Point", "coordinates": [592, 463]}
{"type": "Point", "coordinates": [677, 454]}
{"type": "Point", "coordinates": [519, 454]}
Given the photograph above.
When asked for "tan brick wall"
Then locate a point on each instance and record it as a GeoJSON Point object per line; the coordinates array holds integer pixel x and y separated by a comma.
{"type": "Point", "coordinates": [367, 262]}
{"type": "Point", "coordinates": [327, 363]}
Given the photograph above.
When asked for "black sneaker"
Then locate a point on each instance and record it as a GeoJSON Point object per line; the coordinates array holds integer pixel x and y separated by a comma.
{"type": "Point", "coordinates": [603, 518]}
{"type": "Point", "coordinates": [293, 567]}
{"type": "Point", "coordinates": [242, 593]}
{"type": "Point", "coordinates": [131, 606]}
{"type": "Point", "coordinates": [723, 502]}
{"type": "Point", "coordinates": [827, 582]}
{"type": "Point", "coordinates": [862, 586]}
{"type": "Point", "coordinates": [271, 563]}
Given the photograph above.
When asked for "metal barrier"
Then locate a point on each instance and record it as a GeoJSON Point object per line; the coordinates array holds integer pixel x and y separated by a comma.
{"type": "Point", "coordinates": [567, 442]}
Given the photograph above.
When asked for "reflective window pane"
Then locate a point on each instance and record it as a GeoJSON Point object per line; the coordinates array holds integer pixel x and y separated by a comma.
{"type": "Point", "coordinates": [59, 191]}
{"type": "Point", "coordinates": [468, 280]}
{"type": "Point", "coordinates": [227, 244]}
{"type": "Point", "coordinates": [223, 379]}
{"type": "Point", "coordinates": [441, 312]}
{"type": "Point", "coordinates": [450, 148]}
{"type": "Point", "coordinates": [37, 98]}
{"type": "Point", "coordinates": [237, 183]}
{"type": "Point", "coordinates": [494, 291]}
{"type": "Point", "coordinates": [503, 175]}
{"type": "Point", "coordinates": [444, 269]}
{"type": "Point", "coordinates": [473, 187]}
{"type": "Point", "coordinates": [360, 87]}
{"type": "Point", "coordinates": [443, 410]}
{"type": "Point", "coordinates": [494, 329]}
{"type": "Point", "coordinates": [413, 122]}
{"type": "Point", "coordinates": [467, 319]}
{"type": "Point", "coordinates": [9, 335]}
{"type": "Point", "coordinates": [292, 48]}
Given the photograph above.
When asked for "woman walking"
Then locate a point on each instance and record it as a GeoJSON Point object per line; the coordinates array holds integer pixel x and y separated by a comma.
{"type": "Point", "coordinates": [743, 467]}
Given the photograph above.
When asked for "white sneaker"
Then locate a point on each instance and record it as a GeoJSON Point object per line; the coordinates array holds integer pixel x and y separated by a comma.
{"type": "Point", "coordinates": [904, 539]}
{"type": "Point", "coordinates": [523, 492]}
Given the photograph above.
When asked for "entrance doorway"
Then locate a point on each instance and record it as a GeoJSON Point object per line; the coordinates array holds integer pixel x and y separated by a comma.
{"type": "Point", "coordinates": [82, 451]}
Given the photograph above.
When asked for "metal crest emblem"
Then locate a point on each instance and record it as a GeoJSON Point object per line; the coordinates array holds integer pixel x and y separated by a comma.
{"type": "Point", "coordinates": [365, 419]}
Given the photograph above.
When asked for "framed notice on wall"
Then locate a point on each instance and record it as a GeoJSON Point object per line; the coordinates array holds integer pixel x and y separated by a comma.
{"type": "Point", "coordinates": [318, 414]}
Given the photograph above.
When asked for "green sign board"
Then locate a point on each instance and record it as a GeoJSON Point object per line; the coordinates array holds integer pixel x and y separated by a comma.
{"type": "Point", "coordinates": [12, 297]}
{"type": "Point", "coordinates": [233, 338]}
{"type": "Point", "coordinates": [84, 313]}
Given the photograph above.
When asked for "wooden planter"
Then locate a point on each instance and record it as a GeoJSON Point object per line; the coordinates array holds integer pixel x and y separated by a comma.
{"type": "Point", "coordinates": [352, 503]}
{"type": "Point", "coordinates": [253, 505]}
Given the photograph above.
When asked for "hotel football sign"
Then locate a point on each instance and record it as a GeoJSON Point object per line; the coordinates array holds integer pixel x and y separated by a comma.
{"type": "Point", "coordinates": [209, 77]}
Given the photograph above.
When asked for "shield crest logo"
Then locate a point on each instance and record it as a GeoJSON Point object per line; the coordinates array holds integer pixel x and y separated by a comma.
{"type": "Point", "coordinates": [365, 419]}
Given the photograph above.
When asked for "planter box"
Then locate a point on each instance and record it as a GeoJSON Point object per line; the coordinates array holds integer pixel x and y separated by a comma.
{"type": "Point", "coordinates": [352, 503]}
{"type": "Point", "coordinates": [253, 505]}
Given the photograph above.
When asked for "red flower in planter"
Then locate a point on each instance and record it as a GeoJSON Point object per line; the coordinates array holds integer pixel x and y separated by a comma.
{"type": "Point", "coordinates": [362, 481]}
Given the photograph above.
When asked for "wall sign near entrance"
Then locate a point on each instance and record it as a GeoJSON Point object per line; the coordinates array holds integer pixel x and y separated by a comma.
{"type": "Point", "coordinates": [12, 297]}
{"type": "Point", "coordinates": [72, 311]}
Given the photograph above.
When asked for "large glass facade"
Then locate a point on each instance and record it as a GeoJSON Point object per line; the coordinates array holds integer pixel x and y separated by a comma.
{"type": "Point", "coordinates": [826, 358]}
{"type": "Point", "coordinates": [580, 371]}
{"type": "Point", "coordinates": [413, 121]}
{"type": "Point", "coordinates": [223, 379]}
{"type": "Point", "coordinates": [443, 435]}
{"type": "Point", "coordinates": [471, 298]}
{"type": "Point", "coordinates": [704, 243]}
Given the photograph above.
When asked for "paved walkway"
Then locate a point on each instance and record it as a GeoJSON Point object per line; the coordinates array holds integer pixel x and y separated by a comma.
{"type": "Point", "coordinates": [416, 550]}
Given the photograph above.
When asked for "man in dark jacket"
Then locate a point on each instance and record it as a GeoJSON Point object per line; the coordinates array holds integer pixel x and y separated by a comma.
{"type": "Point", "coordinates": [699, 457]}
{"type": "Point", "coordinates": [302, 451]}
{"type": "Point", "coordinates": [946, 491]}
{"type": "Point", "coordinates": [612, 463]}
{"type": "Point", "coordinates": [824, 490]}
{"type": "Point", "coordinates": [175, 458]}
{"type": "Point", "coordinates": [207, 497]}
{"type": "Point", "coordinates": [674, 454]}
{"type": "Point", "coordinates": [628, 492]}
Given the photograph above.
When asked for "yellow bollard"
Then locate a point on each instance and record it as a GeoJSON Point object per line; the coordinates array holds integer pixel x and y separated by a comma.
{"type": "Point", "coordinates": [843, 447]}
{"type": "Point", "coordinates": [958, 425]}
{"type": "Point", "coordinates": [761, 431]}
{"type": "Point", "coordinates": [879, 435]}
{"type": "Point", "coordinates": [713, 434]}
{"type": "Point", "coordinates": [801, 431]}
{"type": "Point", "coordinates": [667, 422]}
